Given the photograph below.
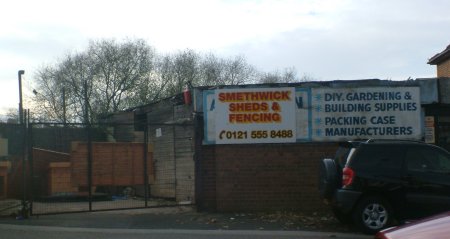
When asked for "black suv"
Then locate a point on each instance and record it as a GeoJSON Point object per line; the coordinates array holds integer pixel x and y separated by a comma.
{"type": "Point", "coordinates": [377, 183]}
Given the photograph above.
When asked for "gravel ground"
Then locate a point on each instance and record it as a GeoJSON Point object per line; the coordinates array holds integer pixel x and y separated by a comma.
{"type": "Point", "coordinates": [188, 217]}
{"type": "Point", "coordinates": [277, 221]}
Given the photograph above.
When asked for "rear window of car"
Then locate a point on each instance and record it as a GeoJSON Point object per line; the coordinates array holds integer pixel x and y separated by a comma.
{"type": "Point", "coordinates": [387, 158]}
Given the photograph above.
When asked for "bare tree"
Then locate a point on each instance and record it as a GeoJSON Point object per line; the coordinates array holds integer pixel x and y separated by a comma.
{"type": "Point", "coordinates": [185, 71]}
{"type": "Point", "coordinates": [48, 96]}
{"type": "Point", "coordinates": [77, 74]}
{"type": "Point", "coordinates": [238, 71]}
{"type": "Point", "coordinates": [60, 91]}
{"type": "Point", "coordinates": [12, 116]}
{"type": "Point", "coordinates": [111, 76]}
{"type": "Point", "coordinates": [171, 74]}
{"type": "Point", "coordinates": [288, 75]}
{"type": "Point", "coordinates": [96, 82]}
{"type": "Point", "coordinates": [211, 70]}
{"type": "Point", "coordinates": [232, 71]}
{"type": "Point", "coordinates": [120, 69]}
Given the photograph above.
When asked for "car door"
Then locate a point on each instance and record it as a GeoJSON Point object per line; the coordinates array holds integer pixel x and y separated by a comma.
{"type": "Point", "coordinates": [428, 180]}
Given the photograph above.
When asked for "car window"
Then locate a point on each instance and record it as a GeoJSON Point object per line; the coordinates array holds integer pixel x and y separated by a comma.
{"type": "Point", "coordinates": [443, 163]}
{"type": "Point", "coordinates": [382, 158]}
{"type": "Point", "coordinates": [427, 159]}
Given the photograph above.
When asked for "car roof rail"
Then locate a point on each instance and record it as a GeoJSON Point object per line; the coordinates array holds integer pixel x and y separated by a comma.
{"type": "Point", "coordinates": [349, 144]}
{"type": "Point", "coordinates": [394, 140]}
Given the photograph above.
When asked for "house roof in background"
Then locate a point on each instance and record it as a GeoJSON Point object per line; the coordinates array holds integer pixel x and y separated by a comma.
{"type": "Point", "coordinates": [440, 57]}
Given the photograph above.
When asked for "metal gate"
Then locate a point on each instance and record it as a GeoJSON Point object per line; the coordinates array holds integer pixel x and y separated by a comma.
{"type": "Point", "coordinates": [12, 159]}
{"type": "Point", "coordinates": [77, 167]}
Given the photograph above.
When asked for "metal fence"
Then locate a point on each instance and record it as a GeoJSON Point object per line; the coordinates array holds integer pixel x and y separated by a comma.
{"type": "Point", "coordinates": [59, 168]}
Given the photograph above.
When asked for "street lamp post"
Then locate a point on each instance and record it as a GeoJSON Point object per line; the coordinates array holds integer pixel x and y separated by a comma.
{"type": "Point", "coordinates": [24, 144]}
{"type": "Point", "coordinates": [20, 73]}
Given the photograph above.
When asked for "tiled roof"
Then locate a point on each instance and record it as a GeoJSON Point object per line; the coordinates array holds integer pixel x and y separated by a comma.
{"type": "Point", "coordinates": [440, 57]}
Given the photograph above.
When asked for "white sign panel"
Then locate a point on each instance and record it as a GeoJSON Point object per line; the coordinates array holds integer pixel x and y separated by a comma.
{"type": "Point", "coordinates": [256, 115]}
{"type": "Point", "coordinates": [284, 115]}
{"type": "Point", "coordinates": [363, 113]}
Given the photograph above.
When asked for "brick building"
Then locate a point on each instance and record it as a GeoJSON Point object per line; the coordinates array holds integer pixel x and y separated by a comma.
{"type": "Point", "coordinates": [258, 147]}
{"type": "Point", "coordinates": [242, 148]}
{"type": "Point", "coordinates": [238, 169]}
{"type": "Point", "coordinates": [442, 62]}
{"type": "Point", "coordinates": [230, 150]}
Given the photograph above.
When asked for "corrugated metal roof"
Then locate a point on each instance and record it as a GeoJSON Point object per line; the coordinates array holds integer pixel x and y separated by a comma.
{"type": "Point", "coordinates": [428, 87]}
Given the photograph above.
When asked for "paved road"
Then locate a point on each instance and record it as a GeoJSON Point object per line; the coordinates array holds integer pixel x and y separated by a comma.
{"type": "Point", "coordinates": [45, 232]}
{"type": "Point", "coordinates": [184, 218]}
{"type": "Point", "coordinates": [173, 222]}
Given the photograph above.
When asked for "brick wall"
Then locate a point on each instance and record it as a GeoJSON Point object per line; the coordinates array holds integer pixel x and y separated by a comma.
{"type": "Point", "coordinates": [443, 69]}
{"type": "Point", "coordinates": [262, 177]}
{"type": "Point", "coordinates": [206, 183]}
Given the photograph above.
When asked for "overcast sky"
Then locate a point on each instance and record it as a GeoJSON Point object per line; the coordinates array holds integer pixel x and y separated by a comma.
{"type": "Point", "coordinates": [324, 39]}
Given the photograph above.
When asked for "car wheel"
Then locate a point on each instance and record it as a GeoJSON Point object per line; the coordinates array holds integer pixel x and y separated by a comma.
{"type": "Point", "coordinates": [372, 214]}
{"type": "Point", "coordinates": [327, 178]}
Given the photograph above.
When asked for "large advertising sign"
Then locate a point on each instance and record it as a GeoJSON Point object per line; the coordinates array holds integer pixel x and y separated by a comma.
{"type": "Point", "coordinates": [242, 116]}
{"type": "Point", "coordinates": [364, 113]}
{"type": "Point", "coordinates": [289, 114]}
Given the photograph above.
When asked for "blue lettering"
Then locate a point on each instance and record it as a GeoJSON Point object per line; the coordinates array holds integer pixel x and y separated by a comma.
{"type": "Point", "coordinates": [370, 131]}
{"type": "Point", "coordinates": [213, 105]}
{"type": "Point", "coordinates": [333, 96]}
{"type": "Point", "coordinates": [382, 120]}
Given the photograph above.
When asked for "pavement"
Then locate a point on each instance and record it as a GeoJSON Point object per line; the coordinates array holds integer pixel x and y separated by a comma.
{"type": "Point", "coordinates": [187, 218]}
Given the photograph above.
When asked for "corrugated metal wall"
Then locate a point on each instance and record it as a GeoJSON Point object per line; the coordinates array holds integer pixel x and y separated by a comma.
{"type": "Point", "coordinates": [171, 132]}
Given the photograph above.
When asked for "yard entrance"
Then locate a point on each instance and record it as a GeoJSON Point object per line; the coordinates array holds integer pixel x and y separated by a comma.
{"type": "Point", "coordinates": [76, 167]}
